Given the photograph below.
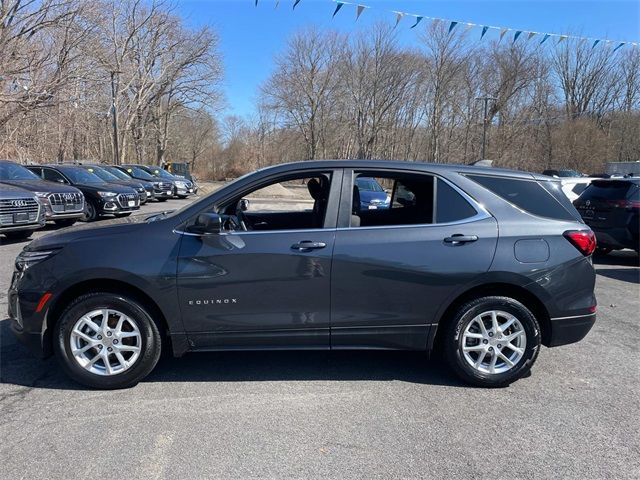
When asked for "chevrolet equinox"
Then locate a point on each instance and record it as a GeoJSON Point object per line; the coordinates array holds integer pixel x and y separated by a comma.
{"type": "Point", "coordinates": [483, 265]}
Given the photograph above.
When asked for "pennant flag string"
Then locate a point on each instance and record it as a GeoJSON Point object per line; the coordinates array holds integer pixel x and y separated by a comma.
{"type": "Point", "coordinates": [452, 24]}
{"type": "Point", "coordinates": [418, 20]}
{"type": "Point", "coordinates": [338, 7]}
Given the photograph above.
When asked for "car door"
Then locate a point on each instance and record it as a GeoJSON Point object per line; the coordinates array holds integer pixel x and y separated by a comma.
{"type": "Point", "coordinates": [394, 267]}
{"type": "Point", "coordinates": [263, 288]}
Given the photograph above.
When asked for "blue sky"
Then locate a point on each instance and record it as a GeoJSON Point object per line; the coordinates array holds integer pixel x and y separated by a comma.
{"type": "Point", "coordinates": [250, 36]}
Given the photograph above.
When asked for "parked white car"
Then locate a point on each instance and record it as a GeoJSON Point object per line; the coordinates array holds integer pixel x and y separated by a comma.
{"type": "Point", "coordinates": [574, 186]}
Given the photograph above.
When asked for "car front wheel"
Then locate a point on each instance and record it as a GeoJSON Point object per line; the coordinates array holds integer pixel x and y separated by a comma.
{"type": "Point", "coordinates": [106, 341]}
{"type": "Point", "coordinates": [492, 341]}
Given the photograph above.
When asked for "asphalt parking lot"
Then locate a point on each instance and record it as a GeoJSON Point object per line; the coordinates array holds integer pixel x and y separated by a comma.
{"type": "Point", "coordinates": [341, 415]}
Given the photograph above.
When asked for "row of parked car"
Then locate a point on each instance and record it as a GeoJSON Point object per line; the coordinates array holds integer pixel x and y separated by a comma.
{"type": "Point", "coordinates": [31, 195]}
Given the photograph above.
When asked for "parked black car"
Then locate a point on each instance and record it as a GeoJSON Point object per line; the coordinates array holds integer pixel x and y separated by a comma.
{"type": "Point", "coordinates": [21, 212]}
{"type": "Point", "coordinates": [431, 271]}
{"type": "Point", "coordinates": [110, 178]}
{"type": "Point", "coordinates": [101, 198]}
{"type": "Point", "coordinates": [612, 209]}
{"type": "Point", "coordinates": [148, 185]}
{"type": "Point", "coordinates": [181, 187]}
{"type": "Point", "coordinates": [62, 204]}
{"type": "Point", "coordinates": [162, 190]}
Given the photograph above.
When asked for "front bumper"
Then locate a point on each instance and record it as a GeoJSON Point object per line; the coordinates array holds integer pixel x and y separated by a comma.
{"type": "Point", "coordinates": [565, 330]}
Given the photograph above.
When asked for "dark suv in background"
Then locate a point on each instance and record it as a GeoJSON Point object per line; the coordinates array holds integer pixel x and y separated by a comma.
{"type": "Point", "coordinates": [180, 187]}
{"type": "Point", "coordinates": [111, 178]}
{"type": "Point", "coordinates": [612, 209]}
{"type": "Point", "coordinates": [162, 190]}
{"type": "Point", "coordinates": [62, 203]}
{"type": "Point", "coordinates": [483, 265]}
{"type": "Point", "coordinates": [101, 198]}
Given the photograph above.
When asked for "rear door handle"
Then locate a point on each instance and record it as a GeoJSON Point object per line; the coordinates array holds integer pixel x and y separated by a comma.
{"type": "Point", "coordinates": [459, 239]}
{"type": "Point", "coordinates": [307, 245]}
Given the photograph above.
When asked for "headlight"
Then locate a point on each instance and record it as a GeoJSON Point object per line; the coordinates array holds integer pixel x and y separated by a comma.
{"type": "Point", "coordinates": [107, 194]}
{"type": "Point", "coordinates": [27, 259]}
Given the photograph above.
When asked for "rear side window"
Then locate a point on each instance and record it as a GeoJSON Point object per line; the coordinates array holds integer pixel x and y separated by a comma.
{"type": "Point", "coordinates": [450, 205]}
{"type": "Point", "coordinates": [530, 196]}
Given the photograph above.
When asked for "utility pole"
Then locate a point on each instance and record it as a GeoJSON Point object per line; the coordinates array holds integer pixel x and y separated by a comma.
{"type": "Point", "coordinates": [114, 119]}
{"type": "Point", "coordinates": [485, 122]}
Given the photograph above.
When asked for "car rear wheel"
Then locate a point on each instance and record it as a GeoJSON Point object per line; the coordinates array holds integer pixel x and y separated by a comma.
{"type": "Point", "coordinates": [492, 341]}
{"type": "Point", "coordinates": [107, 341]}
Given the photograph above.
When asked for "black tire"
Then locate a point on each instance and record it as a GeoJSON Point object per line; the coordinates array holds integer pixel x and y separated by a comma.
{"type": "Point", "coordinates": [65, 223]}
{"type": "Point", "coordinates": [18, 235]}
{"type": "Point", "coordinates": [453, 341]}
{"type": "Point", "coordinates": [151, 344]}
{"type": "Point", "coordinates": [90, 213]}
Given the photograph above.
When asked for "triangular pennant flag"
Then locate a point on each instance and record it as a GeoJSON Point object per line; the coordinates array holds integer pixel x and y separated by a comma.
{"type": "Point", "coordinates": [484, 30]}
{"type": "Point", "coordinates": [452, 25]}
{"type": "Point", "coordinates": [399, 16]}
{"type": "Point", "coordinates": [359, 11]}
{"type": "Point", "coordinates": [418, 20]}
{"type": "Point", "coordinates": [531, 35]}
{"type": "Point", "coordinates": [503, 32]}
{"type": "Point", "coordinates": [516, 35]}
{"type": "Point", "coordinates": [619, 46]}
{"type": "Point", "coordinates": [546, 36]}
{"type": "Point", "coordinates": [338, 7]}
{"type": "Point", "coordinates": [595, 42]}
{"type": "Point", "coordinates": [295, 4]}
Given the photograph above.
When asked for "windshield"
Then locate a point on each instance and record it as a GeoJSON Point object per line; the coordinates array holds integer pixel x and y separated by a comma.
{"type": "Point", "coordinates": [369, 185]}
{"type": "Point", "coordinates": [102, 173]}
{"type": "Point", "coordinates": [159, 172]}
{"type": "Point", "coordinates": [116, 172]}
{"type": "Point", "coordinates": [12, 171]}
{"type": "Point", "coordinates": [137, 172]}
{"type": "Point", "coordinates": [80, 175]}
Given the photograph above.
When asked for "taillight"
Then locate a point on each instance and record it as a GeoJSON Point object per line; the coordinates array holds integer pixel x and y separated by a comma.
{"type": "Point", "coordinates": [583, 240]}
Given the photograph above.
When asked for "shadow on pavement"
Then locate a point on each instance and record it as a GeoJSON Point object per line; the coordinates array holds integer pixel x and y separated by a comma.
{"type": "Point", "coordinates": [19, 367]}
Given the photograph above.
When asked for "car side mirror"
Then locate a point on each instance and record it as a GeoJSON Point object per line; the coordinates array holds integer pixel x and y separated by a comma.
{"type": "Point", "coordinates": [208, 223]}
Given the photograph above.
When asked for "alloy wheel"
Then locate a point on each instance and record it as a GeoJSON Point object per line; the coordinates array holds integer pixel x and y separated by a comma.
{"type": "Point", "coordinates": [494, 342]}
{"type": "Point", "coordinates": [106, 342]}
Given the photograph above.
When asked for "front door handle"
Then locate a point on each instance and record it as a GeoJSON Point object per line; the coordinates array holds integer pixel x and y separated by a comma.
{"type": "Point", "coordinates": [459, 239]}
{"type": "Point", "coordinates": [308, 245]}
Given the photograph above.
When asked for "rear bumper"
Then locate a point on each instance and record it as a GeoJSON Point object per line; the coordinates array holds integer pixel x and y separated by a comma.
{"type": "Point", "coordinates": [565, 330]}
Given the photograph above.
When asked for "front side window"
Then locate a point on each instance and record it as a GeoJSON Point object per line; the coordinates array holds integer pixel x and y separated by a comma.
{"type": "Point", "coordinates": [53, 176]}
{"type": "Point", "coordinates": [291, 204]}
{"type": "Point", "coordinates": [406, 199]}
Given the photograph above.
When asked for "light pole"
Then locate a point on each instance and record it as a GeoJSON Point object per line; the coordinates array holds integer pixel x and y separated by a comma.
{"type": "Point", "coordinates": [114, 119]}
{"type": "Point", "coordinates": [485, 121]}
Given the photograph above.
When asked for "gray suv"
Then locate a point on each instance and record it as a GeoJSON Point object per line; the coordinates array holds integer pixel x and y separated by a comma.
{"type": "Point", "coordinates": [481, 265]}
